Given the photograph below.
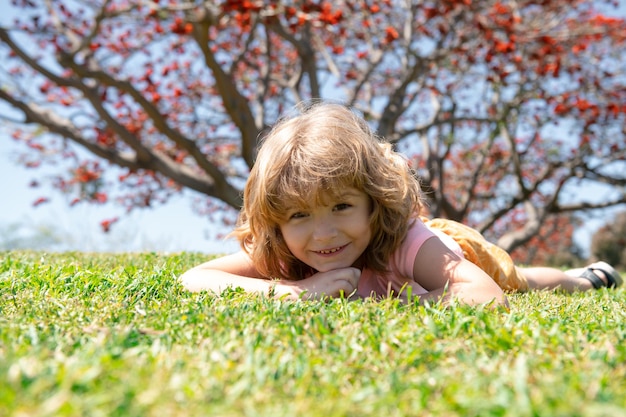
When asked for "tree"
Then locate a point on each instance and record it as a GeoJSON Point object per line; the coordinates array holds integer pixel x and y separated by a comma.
{"type": "Point", "coordinates": [505, 108]}
{"type": "Point", "coordinates": [553, 245]}
{"type": "Point", "coordinates": [17, 236]}
{"type": "Point", "coordinates": [609, 242]}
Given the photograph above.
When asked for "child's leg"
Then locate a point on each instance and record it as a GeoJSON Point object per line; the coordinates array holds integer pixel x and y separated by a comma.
{"type": "Point", "coordinates": [544, 278]}
{"type": "Point", "coordinates": [499, 265]}
{"type": "Point", "coordinates": [599, 274]}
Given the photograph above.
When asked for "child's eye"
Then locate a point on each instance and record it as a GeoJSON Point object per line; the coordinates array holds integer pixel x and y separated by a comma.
{"type": "Point", "coordinates": [342, 206]}
{"type": "Point", "coordinates": [297, 215]}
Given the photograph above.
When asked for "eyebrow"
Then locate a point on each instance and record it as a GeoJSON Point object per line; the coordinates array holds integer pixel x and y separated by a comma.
{"type": "Point", "coordinates": [348, 194]}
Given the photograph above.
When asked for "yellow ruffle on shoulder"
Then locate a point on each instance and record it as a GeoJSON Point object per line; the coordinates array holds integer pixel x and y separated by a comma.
{"type": "Point", "coordinates": [492, 259]}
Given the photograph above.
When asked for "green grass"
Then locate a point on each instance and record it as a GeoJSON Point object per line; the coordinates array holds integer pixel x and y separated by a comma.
{"type": "Point", "coordinates": [114, 335]}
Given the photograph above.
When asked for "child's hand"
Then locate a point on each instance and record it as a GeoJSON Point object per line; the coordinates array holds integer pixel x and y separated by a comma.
{"type": "Point", "coordinates": [333, 283]}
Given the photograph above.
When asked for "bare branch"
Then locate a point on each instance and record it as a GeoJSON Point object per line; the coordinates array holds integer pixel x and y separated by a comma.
{"type": "Point", "coordinates": [34, 114]}
{"type": "Point", "coordinates": [235, 104]}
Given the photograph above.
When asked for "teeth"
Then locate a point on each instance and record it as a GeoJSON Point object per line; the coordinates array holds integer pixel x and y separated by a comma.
{"type": "Point", "coordinates": [325, 252]}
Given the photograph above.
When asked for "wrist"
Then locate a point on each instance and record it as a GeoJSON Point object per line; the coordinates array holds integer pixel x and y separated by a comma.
{"type": "Point", "coordinates": [284, 290]}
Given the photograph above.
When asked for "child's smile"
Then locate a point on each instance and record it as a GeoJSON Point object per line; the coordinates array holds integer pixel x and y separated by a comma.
{"type": "Point", "coordinates": [330, 236]}
{"type": "Point", "coordinates": [331, 251]}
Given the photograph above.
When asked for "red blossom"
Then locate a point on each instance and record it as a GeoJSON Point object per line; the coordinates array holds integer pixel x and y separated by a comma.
{"type": "Point", "coordinates": [601, 20]}
{"type": "Point", "coordinates": [106, 224]}
{"type": "Point", "coordinates": [100, 198]}
{"type": "Point", "coordinates": [561, 109]}
{"type": "Point", "coordinates": [391, 34]}
{"type": "Point", "coordinates": [40, 200]}
{"type": "Point", "coordinates": [36, 146]}
{"type": "Point", "coordinates": [180, 27]}
{"type": "Point", "coordinates": [582, 104]}
{"type": "Point", "coordinates": [503, 47]}
{"type": "Point", "coordinates": [613, 109]}
{"type": "Point", "coordinates": [84, 174]}
{"type": "Point", "coordinates": [500, 8]}
{"type": "Point", "coordinates": [328, 16]}
{"type": "Point", "coordinates": [352, 75]}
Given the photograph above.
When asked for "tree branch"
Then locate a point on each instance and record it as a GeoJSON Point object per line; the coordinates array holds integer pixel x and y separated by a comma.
{"type": "Point", "coordinates": [235, 104]}
{"type": "Point", "coordinates": [34, 114]}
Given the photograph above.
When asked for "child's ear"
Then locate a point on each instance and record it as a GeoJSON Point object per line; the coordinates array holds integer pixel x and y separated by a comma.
{"type": "Point", "coordinates": [277, 235]}
{"type": "Point", "coordinates": [373, 207]}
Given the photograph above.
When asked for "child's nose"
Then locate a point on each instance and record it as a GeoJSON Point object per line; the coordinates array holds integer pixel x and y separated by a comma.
{"type": "Point", "coordinates": [325, 230]}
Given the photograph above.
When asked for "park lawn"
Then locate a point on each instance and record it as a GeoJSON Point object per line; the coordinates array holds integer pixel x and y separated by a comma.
{"type": "Point", "coordinates": [115, 335]}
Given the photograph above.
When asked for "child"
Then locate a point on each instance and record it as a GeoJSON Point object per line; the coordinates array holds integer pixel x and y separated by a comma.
{"type": "Point", "coordinates": [330, 210]}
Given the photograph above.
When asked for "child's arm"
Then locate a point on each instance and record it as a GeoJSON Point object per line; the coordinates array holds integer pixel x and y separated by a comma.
{"type": "Point", "coordinates": [237, 270]}
{"type": "Point", "coordinates": [218, 274]}
{"type": "Point", "coordinates": [448, 276]}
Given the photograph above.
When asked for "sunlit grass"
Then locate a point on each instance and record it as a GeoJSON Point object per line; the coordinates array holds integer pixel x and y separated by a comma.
{"type": "Point", "coordinates": [114, 335]}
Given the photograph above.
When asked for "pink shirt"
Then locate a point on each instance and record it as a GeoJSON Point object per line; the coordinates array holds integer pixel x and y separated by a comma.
{"type": "Point", "coordinates": [401, 264]}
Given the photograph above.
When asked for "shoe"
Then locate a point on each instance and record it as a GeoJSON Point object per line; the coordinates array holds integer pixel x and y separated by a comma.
{"type": "Point", "coordinates": [612, 276]}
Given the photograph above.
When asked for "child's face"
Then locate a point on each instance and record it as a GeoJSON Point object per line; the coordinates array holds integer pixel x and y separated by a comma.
{"type": "Point", "coordinates": [332, 235]}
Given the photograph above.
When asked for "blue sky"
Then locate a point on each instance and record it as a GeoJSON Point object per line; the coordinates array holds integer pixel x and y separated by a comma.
{"type": "Point", "coordinates": [169, 228]}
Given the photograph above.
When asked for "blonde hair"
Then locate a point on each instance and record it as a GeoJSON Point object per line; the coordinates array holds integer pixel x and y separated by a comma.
{"type": "Point", "coordinates": [316, 154]}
